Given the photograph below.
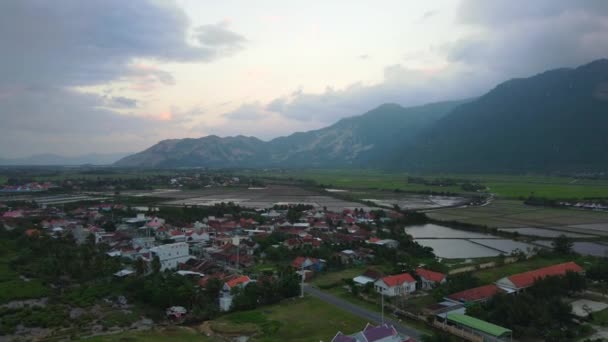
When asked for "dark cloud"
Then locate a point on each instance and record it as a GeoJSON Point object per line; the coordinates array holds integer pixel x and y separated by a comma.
{"type": "Point", "coordinates": [516, 40]}
{"type": "Point", "coordinates": [121, 102]}
{"type": "Point", "coordinates": [76, 42]}
{"type": "Point", "coordinates": [49, 47]}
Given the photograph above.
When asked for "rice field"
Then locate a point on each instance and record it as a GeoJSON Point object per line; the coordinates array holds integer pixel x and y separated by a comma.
{"type": "Point", "coordinates": [514, 215]}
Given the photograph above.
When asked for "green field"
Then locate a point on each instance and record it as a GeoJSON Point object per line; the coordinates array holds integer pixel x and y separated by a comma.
{"type": "Point", "coordinates": [166, 334]}
{"type": "Point", "coordinates": [512, 214]}
{"type": "Point", "coordinates": [507, 186]}
{"type": "Point", "coordinates": [3, 179]}
{"type": "Point", "coordinates": [308, 319]}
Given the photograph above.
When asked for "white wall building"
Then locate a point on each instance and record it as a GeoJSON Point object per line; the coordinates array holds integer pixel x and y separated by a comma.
{"type": "Point", "coordinates": [171, 255]}
{"type": "Point", "coordinates": [396, 285]}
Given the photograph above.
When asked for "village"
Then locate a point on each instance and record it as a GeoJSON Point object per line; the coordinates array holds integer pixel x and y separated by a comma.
{"type": "Point", "coordinates": [227, 258]}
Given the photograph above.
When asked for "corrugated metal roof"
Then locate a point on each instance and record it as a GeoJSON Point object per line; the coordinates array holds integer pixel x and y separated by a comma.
{"type": "Point", "coordinates": [477, 324]}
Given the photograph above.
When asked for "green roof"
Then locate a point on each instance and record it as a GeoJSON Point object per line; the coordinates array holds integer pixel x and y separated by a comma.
{"type": "Point", "coordinates": [477, 324]}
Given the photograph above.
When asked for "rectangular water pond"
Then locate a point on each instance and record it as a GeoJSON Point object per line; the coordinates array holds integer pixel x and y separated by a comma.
{"type": "Point", "coordinates": [457, 248]}
{"type": "Point", "coordinates": [505, 245]}
{"type": "Point", "coordinates": [437, 232]}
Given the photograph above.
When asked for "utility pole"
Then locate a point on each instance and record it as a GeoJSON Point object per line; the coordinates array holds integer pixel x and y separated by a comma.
{"type": "Point", "coordinates": [382, 296]}
{"type": "Point", "coordinates": [302, 283]}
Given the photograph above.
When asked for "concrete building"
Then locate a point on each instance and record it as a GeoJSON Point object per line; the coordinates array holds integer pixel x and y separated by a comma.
{"type": "Point", "coordinates": [171, 255]}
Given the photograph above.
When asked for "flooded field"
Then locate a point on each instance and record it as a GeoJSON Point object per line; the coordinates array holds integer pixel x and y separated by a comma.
{"type": "Point", "coordinates": [435, 231]}
{"type": "Point", "coordinates": [505, 245]}
{"type": "Point", "coordinates": [582, 247]}
{"type": "Point", "coordinates": [509, 214]}
{"type": "Point", "coordinates": [458, 248]}
{"type": "Point", "coordinates": [418, 201]}
{"type": "Point", "coordinates": [544, 232]}
{"type": "Point", "coordinates": [452, 243]}
{"type": "Point", "coordinates": [258, 198]}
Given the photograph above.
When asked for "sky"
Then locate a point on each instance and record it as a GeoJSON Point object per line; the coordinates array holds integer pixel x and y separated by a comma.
{"type": "Point", "coordinates": [108, 76]}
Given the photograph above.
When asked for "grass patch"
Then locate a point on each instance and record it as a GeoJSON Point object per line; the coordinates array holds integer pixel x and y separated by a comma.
{"type": "Point", "coordinates": [18, 289]}
{"type": "Point", "coordinates": [156, 335]}
{"type": "Point", "coordinates": [119, 319]}
{"type": "Point", "coordinates": [600, 317]}
{"type": "Point", "coordinates": [308, 319]}
{"type": "Point", "coordinates": [332, 279]}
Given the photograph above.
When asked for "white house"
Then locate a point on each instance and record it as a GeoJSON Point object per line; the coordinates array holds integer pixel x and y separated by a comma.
{"type": "Point", "coordinates": [226, 296]}
{"type": "Point", "coordinates": [396, 285]}
{"type": "Point", "coordinates": [430, 279]}
{"type": "Point", "coordinates": [171, 255]}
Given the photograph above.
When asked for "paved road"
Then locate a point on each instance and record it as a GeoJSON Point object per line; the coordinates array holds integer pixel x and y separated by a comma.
{"type": "Point", "coordinates": [372, 316]}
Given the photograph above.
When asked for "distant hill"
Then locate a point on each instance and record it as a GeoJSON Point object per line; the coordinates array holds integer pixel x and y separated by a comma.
{"type": "Point", "coordinates": [371, 137]}
{"type": "Point", "coordinates": [54, 159]}
{"type": "Point", "coordinates": [554, 121]}
{"type": "Point", "coordinates": [557, 120]}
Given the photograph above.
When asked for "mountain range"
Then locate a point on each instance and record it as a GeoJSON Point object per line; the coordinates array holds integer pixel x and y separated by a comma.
{"type": "Point", "coordinates": [54, 159]}
{"type": "Point", "coordinates": [555, 120]}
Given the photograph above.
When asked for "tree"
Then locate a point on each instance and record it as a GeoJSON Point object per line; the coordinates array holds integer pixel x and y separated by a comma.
{"type": "Point", "coordinates": [141, 267]}
{"type": "Point", "coordinates": [293, 215]}
{"type": "Point", "coordinates": [156, 264]}
{"type": "Point", "coordinates": [562, 245]}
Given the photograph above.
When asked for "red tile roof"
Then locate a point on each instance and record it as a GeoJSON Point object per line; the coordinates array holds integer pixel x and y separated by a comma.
{"type": "Point", "coordinates": [527, 279]}
{"type": "Point", "coordinates": [237, 281]}
{"type": "Point", "coordinates": [398, 279]}
{"type": "Point", "coordinates": [475, 294]}
{"type": "Point", "coordinates": [297, 263]}
{"type": "Point", "coordinates": [430, 275]}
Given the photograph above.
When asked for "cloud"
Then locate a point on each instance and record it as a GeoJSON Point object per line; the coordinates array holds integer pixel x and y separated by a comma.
{"type": "Point", "coordinates": [401, 85]}
{"type": "Point", "coordinates": [121, 102]}
{"type": "Point", "coordinates": [91, 42]}
{"type": "Point", "coordinates": [220, 37]}
{"type": "Point", "coordinates": [516, 40]}
{"type": "Point", "coordinates": [248, 112]}
{"type": "Point", "coordinates": [429, 14]}
{"type": "Point", "coordinates": [49, 49]}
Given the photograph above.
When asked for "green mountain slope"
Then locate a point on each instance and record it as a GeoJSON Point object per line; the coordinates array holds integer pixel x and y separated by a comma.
{"type": "Point", "coordinates": [557, 120]}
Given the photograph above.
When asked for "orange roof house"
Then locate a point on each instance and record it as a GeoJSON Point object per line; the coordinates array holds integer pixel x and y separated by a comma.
{"type": "Point", "coordinates": [395, 285]}
{"type": "Point", "coordinates": [477, 294]}
{"type": "Point", "coordinates": [522, 280]}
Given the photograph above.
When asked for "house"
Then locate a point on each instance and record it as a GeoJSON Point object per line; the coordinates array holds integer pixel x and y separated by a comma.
{"type": "Point", "coordinates": [389, 243]}
{"type": "Point", "coordinates": [370, 276]}
{"type": "Point", "coordinates": [226, 296]}
{"type": "Point", "coordinates": [311, 264]}
{"type": "Point", "coordinates": [477, 294]}
{"type": "Point", "coordinates": [396, 285]}
{"type": "Point", "coordinates": [171, 255]}
{"type": "Point", "coordinates": [430, 279]}
{"type": "Point", "coordinates": [371, 333]}
{"type": "Point", "coordinates": [520, 281]}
